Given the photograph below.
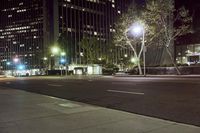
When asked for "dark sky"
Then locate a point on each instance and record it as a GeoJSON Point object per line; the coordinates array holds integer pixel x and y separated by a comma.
{"type": "Point", "coordinates": [194, 7]}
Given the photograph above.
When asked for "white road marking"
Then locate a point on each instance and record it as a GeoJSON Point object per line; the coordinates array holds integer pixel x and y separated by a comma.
{"type": "Point", "coordinates": [124, 83]}
{"type": "Point", "coordinates": [54, 85]}
{"type": "Point", "coordinates": [126, 92]}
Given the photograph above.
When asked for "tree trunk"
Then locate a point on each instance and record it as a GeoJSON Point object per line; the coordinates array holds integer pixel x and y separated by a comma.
{"type": "Point", "coordinates": [172, 59]}
{"type": "Point", "coordinates": [139, 68]}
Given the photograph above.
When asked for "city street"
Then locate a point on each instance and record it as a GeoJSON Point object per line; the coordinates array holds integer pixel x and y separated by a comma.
{"type": "Point", "coordinates": [170, 98]}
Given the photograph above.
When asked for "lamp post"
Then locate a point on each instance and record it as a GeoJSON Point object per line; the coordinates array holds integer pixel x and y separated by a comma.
{"type": "Point", "coordinates": [138, 29]}
{"type": "Point", "coordinates": [15, 62]}
{"type": "Point", "coordinates": [54, 51]}
{"type": "Point", "coordinates": [45, 59]}
{"type": "Point", "coordinates": [62, 61]}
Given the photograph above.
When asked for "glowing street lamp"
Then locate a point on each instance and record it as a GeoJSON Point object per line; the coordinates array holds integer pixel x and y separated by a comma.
{"type": "Point", "coordinates": [133, 60]}
{"type": "Point", "coordinates": [45, 58]}
{"type": "Point", "coordinates": [62, 60]}
{"type": "Point", "coordinates": [21, 67]}
{"type": "Point", "coordinates": [55, 50]}
{"type": "Point", "coordinates": [62, 53]}
{"type": "Point", "coordinates": [138, 29]}
{"type": "Point", "coordinates": [16, 60]}
{"type": "Point", "coordinates": [8, 63]}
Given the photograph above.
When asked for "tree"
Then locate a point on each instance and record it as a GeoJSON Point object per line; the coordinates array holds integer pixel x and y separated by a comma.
{"type": "Point", "coordinates": [123, 38]}
{"type": "Point", "coordinates": [158, 18]}
{"type": "Point", "coordinates": [165, 24]}
{"type": "Point", "coordinates": [90, 48]}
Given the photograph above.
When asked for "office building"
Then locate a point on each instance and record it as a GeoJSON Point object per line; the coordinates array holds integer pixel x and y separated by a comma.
{"type": "Point", "coordinates": [21, 34]}
{"type": "Point", "coordinates": [28, 28]}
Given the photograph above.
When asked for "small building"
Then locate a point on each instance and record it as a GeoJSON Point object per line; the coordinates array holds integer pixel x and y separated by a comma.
{"type": "Point", "coordinates": [93, 69]}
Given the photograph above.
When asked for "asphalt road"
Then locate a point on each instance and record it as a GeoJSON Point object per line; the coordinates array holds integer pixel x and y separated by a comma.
{"type": "Point", "coordinates": [175, 99]}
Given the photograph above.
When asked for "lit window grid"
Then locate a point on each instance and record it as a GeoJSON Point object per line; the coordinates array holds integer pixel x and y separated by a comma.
{"type": "Point", "coordinates": [17, 32]}
{"type": "Point", "coordinates": [104, 33]}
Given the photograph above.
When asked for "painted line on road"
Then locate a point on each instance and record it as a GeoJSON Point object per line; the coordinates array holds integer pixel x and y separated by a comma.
{"type": "Point", "coordinates": [124, 83]}
{"type": "Point", "coordinates": [54, 85]}
{"type": "Point", "coordinates": [126, 92]}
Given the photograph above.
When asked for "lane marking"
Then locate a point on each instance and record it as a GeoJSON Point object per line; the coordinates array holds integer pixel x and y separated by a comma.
{"type": "Point", "coordinates": [124, 83]}
{"type": "Point", "coordinates": [54, 85]}
{"type": "Point", "coordinates": [126, 92]}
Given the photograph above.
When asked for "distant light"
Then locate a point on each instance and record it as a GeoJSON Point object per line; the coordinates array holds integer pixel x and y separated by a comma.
{"type": "Point", "coordinates": [8, 63]}
{"type": "Point", "coordinates": [100, 59]}
{"type": "Point", "coordinates": [126, 55]}
{"type": "Point", "coordinates": [62, 60]}
{"type": "Point", "coordinates": [45, 58]}
{"type": "Point", "coordinates": [63, 54]}
{"type": "Point", "coordinates": [21, 67]}
{"type": "Point", "coordinates": [16, 60]}
{"type": "Point", "coordinates": [133, 60]}
{"type": "Point", "coordinates": [55, 50]}
{"type": "Point", "coordinates": [81, 53]}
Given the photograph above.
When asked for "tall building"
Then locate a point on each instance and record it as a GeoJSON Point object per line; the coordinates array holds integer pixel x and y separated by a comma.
{"type": "Point", "coordinates": [93, 19]}
{"type": "Point", "coordinates": [28, 28]}
{"type": "Point", "coordinates": [21, 34]}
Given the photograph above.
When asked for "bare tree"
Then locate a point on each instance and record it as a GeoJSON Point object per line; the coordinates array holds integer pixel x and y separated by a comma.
{"type": "Point", "coordinates": [165, 24]}
{"type": "Point", "coordinates": [123, 37]}
{"type": "Point", "coordinates": [158, 18]}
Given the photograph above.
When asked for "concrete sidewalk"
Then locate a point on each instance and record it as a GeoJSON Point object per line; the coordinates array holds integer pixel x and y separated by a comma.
{"type": "Point", "coordinates": [24, 112]}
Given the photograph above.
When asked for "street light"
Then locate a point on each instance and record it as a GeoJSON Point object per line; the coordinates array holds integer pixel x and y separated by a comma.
{"type": "Point", "coordinates": [8, 63]}
{"type": "Point", "coordinates": [62, 53]}
{"type": "Point", "coordinates": [138, 29]}
{"type": "Point", "coordinates": [55, 50]}
{"type": "Point", "coordinates": [16, 60]}
{"type": "Point", "coordinates": [45, 58]}
{"type": "Point", "coordinates": [21, 67]}
{"type": "Point", "coordinates": [133, 60]}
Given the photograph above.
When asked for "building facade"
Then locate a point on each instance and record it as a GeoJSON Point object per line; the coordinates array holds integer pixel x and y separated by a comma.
{"type": "Point", "coordinates": [91, 19]}
{"type": "Point", "coordinates": [21, 34]}
{"type": "Point", "coordinates": [28, 29]}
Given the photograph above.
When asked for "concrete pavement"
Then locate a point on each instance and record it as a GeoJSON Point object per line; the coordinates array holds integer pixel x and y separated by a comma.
{"type": "Point", "coordinates": [24, 112]}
